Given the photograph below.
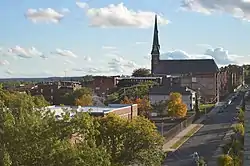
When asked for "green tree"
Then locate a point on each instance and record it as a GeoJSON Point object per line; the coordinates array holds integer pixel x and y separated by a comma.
{"type": "Point", "coordinates": [33, 136]}
{"type": "Point", "coordinates": [82, 96]}
{"type": "Point", "coordinates": [161, 107]}
{"type": "Point", "coordinates": [131, 142]}
{"type": "Point", "coordinates": [141, 72]}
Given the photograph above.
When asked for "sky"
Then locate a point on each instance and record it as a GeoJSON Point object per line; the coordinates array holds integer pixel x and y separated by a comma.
{"type": "Point", "coordinates": [96, 37]}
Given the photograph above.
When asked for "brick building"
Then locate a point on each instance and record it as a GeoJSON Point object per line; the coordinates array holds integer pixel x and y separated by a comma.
{"type": "Point", "coordinates": [101, 85]}
{"type": "Point", "coordinates": [53, 91]}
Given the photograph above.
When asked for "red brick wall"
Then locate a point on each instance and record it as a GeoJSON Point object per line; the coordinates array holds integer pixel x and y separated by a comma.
{"type": "Point", "coordinates": [101, 84]}
{"type": "Point", "coordinates": [126, 111]}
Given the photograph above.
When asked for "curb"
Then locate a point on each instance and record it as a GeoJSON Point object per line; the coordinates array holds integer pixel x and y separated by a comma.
{"type": "Point", "coordinates": [199, 126]}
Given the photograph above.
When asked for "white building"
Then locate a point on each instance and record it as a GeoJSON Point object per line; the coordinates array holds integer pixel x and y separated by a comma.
{"type": "Point", "coordinates": [161, 93]}
{"type": "Point", "coordinates": [123, 110]}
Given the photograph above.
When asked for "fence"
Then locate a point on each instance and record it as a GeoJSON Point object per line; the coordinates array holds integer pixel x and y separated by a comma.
{"type": "Point", "coordinates": [178, 128]}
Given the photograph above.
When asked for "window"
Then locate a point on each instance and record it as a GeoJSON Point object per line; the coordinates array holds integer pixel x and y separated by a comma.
{"type": "Point", "coordinates": [51, 90]}
{"type": "Point", "coordinates": [51, 97]}
{"type": "Point", "coordinates": [41, 90]}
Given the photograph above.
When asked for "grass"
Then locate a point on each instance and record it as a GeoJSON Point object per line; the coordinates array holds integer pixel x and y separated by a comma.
{"type": "Point", "coordinates": [204, 107]}
{"type": "Point", "coordinates": [185, 138]}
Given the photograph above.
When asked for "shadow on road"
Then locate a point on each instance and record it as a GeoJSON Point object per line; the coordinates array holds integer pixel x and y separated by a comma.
{"type": "Point", "coordinates": [219, 130]}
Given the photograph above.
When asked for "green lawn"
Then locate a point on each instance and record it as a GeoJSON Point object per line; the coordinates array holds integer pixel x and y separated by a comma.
{"type": "Point", "coordinates": [204, 107]}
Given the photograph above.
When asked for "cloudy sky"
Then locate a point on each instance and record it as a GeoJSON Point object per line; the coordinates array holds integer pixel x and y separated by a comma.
{"type": "Point", "coordinates": [58, 37]}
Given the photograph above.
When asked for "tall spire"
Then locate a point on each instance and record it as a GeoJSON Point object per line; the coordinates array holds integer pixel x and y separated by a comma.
{"type": "Point", "coordinates": [156, 45]}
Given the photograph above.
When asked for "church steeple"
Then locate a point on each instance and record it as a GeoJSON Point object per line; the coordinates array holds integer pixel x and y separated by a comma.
{"type": "Point", "coordinates": [155, 53]}
{"type": "Point", "coordinates": [156, 45]}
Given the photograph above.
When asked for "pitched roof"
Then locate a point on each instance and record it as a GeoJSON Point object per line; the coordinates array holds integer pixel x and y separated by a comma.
{"type": "Point", "coordinates": [186, 66]}
{"type": "Point", "coordinates": [166, 90]}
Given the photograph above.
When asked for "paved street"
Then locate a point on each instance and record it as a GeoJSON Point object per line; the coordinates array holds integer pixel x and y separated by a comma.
{"type": "Point", "coordinates": [206, 140]}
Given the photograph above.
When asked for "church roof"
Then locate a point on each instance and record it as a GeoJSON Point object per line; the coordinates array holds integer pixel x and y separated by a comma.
{"type": "Point", "coordinates": [186, 66]}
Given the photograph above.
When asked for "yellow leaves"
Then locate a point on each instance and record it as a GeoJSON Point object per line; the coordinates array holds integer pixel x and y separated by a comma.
{"type": "Point", "coordinates": [225, 160]}
{"type": "Point", "coordinates": [239, 128]}
{"type": "Point", "coordinates": [84, 100]}
{"type": "Point", "coordinates": [176, 108]}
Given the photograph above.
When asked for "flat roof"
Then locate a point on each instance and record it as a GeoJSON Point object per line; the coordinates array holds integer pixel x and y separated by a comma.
{"type": "Point", "coordinates": [138, 78]}
{"type": "Point", "coordinates": [91, 109]}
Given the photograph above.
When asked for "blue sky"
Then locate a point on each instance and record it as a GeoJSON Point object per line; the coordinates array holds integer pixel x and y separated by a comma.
{"type": "Point", "coordinates": [54, 38]}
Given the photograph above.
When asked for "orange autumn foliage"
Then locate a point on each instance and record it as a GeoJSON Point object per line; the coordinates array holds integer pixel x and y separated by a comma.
{"type": "Point", "coordinates": [176, 108]}
{"type": "Point", "coordinates": [144, 106]}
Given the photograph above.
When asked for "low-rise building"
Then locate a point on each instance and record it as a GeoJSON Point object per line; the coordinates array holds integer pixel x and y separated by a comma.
{"type": "Point", "coordinates": [161, 93]}
{"type": "Point", "coordinates": [130, 81]}
{"type": "Point", "coordinates": [53, 91]}
{"type": "Point", "coordinates": [127, 111]}
{"type": "Point", "coordinates": [101, 85]}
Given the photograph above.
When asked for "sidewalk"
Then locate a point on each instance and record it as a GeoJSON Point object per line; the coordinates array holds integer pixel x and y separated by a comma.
{"type": "Point", "coordinates": [167, 146]}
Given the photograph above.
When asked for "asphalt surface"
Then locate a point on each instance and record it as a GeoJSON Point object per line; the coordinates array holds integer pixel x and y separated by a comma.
{"type": "Point", "coordinates": [206, 140]}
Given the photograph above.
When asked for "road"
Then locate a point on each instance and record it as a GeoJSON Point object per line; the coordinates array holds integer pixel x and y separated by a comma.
{"type": "Point", "coordinates": [206, 140]}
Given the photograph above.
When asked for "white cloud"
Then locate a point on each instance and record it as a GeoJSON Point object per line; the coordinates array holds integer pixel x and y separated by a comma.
{"type": "Point", "coordinates": [121, 65]}
{"type": "Point", "coordinates": [119, 16]}
{"type": "Point", "coordinates": [65, 53]}
{"type": "Point", "coordinates": [140, 43]}
{"type": "Point", "coordinates": [68, 62]}
{"type": "Point", "coordinates": [24, 52]}
{"type": "Point", "coordinates": [220, 55]}
{"type": "Point", "coordinates": [9, 72]}
{"type": "Point", "coordinates": [87, 58]}
{"type": "Point", "coordinates": [237, 8]}
{"type": "Point", "coordinates": [44, 57]}
{"type": "Point", "coordinates": [109, 47]}
{"type": "Point", "coordinates": [82, 5]}
{"type": "Point", "coordinates": [4, 62]}
{"type": "Point", "coordinates": [45, 15]}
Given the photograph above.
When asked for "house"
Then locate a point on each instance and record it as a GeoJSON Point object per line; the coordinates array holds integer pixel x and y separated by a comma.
{"type": "Point", "coordinates": [199, 74]}
{"type": "Point", "coordinates": [53, 91]}
{"type": "Point", "coordinates": [161, 93]}
{"type": "Point", "coordinates": [127, 111]}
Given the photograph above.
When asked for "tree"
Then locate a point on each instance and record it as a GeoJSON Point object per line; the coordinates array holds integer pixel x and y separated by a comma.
{"type": "Point", "coordinates": [33, 136]}
{"type": "Point", "coordinates": [225, 160]}
{"type": "Point", "coordinates": [126, 100]}
{"type": "Point", "coordinates": [241, 116]}
{"type": "Point", "coordinates": [134, 142]}
{"type": "Point", "coordinates": [161, 107]}
{"type": "Point", "coordinates": [141, 72]}
{"type": "Point", "coordinates": [239, 128]}
{"type": "Point", "coordinates": [82, 96]}
{"type": "Point", "coordinates": [84, 100]}
{"type": "Point", "coordinates": [144, 106]}
{"type": "Point", "coordinates": [176, 108]}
